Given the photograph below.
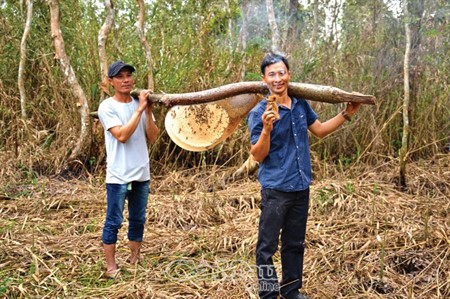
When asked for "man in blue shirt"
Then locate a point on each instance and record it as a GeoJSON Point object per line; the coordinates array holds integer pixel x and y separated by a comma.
{"type": "Point", "coordinates": [281, 147]}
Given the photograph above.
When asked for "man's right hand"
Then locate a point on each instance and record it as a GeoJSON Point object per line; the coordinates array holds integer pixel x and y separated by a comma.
{"type": "Point", "coordinates": [268, 118]}
{"type": "Point", "coordinates": [143, 99]}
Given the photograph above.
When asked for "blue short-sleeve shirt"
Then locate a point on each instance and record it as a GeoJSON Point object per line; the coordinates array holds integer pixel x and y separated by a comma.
{"type": "Point", "coordinates": [287, 167]}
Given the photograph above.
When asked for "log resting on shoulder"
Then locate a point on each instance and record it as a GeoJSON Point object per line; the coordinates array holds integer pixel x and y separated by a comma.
{"type": "Point", "coordinates": [313, 92]}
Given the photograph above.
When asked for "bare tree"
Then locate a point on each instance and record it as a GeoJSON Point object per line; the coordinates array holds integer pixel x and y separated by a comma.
{"type": "Point", "coordinates": [23, 59]}
{"type": "Point", "coordinates": [406, 68]}
{"type": "Point", "coordinates": [315, 33]}
{"type": "Point", "coordinates": [415, 16]}
{"type": "Point", "coordinates": [290, 30]}
{"type": "Point", "coordinates": [145, 44]}
{"type": "Point", "coordinates": [243, 38]}
{"type": "Point", "coordinates": [77, 91]}
{"type": "Point", "coordinates": [102, 37]}
{"type": "Point", "coordinates": [376, 11]}
{"type": "Point", "coordinates": [230, 24]}
{"type": "Point", "coordinates": [413, 13]}
{"type": "Point", "coordinates": [335, 11]}
{"type": "Point", "coordinates": [273, 26]}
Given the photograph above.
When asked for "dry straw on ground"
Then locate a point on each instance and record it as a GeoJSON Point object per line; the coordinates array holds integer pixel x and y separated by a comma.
{"type": "Point", "coordinates": [365, 238]}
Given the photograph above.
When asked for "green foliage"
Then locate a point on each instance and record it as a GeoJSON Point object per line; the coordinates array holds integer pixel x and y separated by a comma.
{"type": "Point", "coordinates": [4, 285]}
{"type": "Point", "coordinates": [376, 190]}
{"type": "Point", "coordinates": [325, 198]}
{"type": "Point", "coordinates": [9, 226]}
{"type": "Point", "coordinates": [350, 188]}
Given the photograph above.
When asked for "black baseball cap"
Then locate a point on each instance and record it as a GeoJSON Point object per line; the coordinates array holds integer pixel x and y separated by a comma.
{"type": "Point", "coordinates": [117, 66]}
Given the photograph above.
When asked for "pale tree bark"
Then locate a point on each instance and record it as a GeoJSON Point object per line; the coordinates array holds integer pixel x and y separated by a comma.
{"type": "Point", "coordinates": [23, 59]}
{"type": "Point", "coordinates": [77, 91]}
{"type": "Point", "coordinates": [230, 24]}
{"type": "Point", "coordinates": [102, 38]}
{"type": "Point", "coordinates": [236, 47]}
{"type": "Point", "coordinates": [406, 68]}
{"type": "Point", "coordinates": [415, 17]}
{"type": "Point", "coordinates": [315, 33]}
{"type": "Point", "coordinates": [376, 11]}
{"type": "Point", "coordinates": [146, 45]}
{"type": "Point", "coordinates": [334, 31]}
{"type": "Point", "coordinates": [230, 37]}
{"type": "Point", "coordinates": [416, 10]}
{"type": "Point", "coordinates": [273, 26]}
{"type": "Point", "coordinates": [289, 34]}
{"type": "Point", "coordinates": [243, 38]}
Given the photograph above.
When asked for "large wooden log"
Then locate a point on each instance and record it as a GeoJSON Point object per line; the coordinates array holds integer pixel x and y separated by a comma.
{"type": "Point", "coordinates": [313, 92]}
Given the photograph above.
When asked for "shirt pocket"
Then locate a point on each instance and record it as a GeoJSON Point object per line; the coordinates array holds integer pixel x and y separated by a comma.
{"type": "Point", "coordinates": [300, 121]}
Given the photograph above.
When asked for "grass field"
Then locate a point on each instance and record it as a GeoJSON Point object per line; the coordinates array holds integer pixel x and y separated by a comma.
{"type": "Point", "coordinates": [365, 238]}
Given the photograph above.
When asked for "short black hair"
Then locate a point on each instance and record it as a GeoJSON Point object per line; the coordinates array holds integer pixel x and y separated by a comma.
{"type": "Point", "coordinates": [271, 58]}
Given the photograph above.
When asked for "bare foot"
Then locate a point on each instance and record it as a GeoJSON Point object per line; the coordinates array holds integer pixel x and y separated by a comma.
{"type": "Point", "coordinates": [134, 259]}
{"type": "Point", "coordinates": [112, 273]}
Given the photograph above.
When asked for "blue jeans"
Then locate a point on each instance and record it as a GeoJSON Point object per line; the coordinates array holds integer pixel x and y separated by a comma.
{"type": "Point", "coordinates": [286, 212]}
{"type": "Point", "coordinates": [137, 194]}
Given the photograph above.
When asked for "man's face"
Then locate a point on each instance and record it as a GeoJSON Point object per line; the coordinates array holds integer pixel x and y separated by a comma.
{"type": "Point", "coordinates": [277, 76]}
{"type": "Point", "coordinates": [123, 82]}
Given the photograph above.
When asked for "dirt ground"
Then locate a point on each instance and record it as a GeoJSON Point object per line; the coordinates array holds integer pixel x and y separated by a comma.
{"type": "Point", "coordinates": [365, 238]}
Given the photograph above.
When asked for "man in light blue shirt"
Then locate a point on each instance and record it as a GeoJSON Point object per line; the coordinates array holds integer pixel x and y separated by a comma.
{"type": "Point", "coordinates": [280, 144]}
{"type": "Point", "coordinates": [129, 126]}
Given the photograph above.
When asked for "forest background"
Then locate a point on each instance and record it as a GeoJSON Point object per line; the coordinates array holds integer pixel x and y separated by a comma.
{"type": "Point", "coordinates": [182, 46]}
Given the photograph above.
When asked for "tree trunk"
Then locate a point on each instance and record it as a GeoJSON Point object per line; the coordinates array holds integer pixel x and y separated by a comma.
{"type": "Point", "coordinates": [243, 38]}
{"type": "Point", "coordinates": [334, 31]}
{"type": "Point", "coordinates": [415, 13]}
{"type": "Point", "coordinates": [290, 32]}
{"type": "Point", "coordinates": [273, 26]}
{"type": "Point", "coordinates": [77, 91]}
{"type": "Point", "coordinates": [312, 92]}
{"type": "Point", "coordinates": [102, 37]}
{"type": "Point", "coordinates": [315, 33]}
{"type": "Point", "coordinates": [230, 25]}
{"type": "Point", "coordinates": [23, 59]}
{"type": "Point", "coordinates": [146, 45]}
{"type": "Point", "coordinates": [404, 148]}
{"type": "Point", "coordinates": [415, 16]}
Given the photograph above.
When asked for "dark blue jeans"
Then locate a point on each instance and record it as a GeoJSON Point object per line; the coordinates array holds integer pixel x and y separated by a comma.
{"type": "Point", "coordinates": [137, 194]}
{"type": "Point", "coordinates": [286, 212]}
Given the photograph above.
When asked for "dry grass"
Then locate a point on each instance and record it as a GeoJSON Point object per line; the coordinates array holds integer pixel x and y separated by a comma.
{"type": "Point", "coordinates": [365, 238]}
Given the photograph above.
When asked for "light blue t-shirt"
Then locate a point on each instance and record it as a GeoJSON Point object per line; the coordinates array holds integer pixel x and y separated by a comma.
{"type": "Point", "coordinates": [129, 161]}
